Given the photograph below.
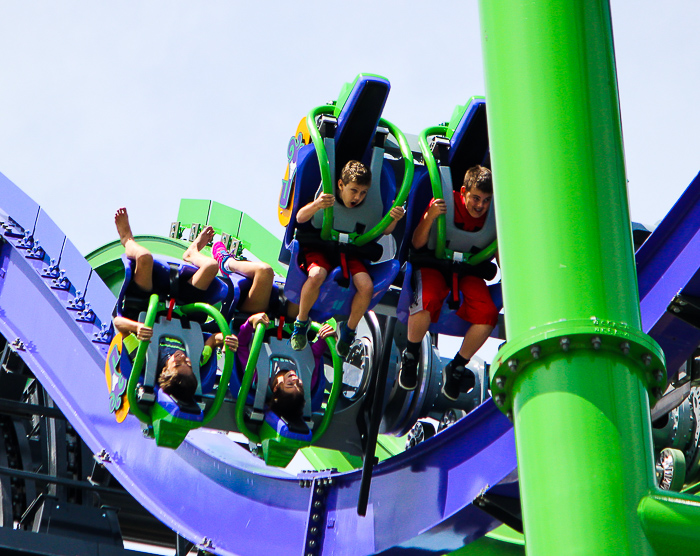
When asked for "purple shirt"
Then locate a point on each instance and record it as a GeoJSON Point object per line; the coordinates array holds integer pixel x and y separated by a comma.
{"type": "Point", "coordinates": [245, 338]}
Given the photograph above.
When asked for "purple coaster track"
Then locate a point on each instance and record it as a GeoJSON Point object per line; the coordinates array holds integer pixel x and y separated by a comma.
{"type": "Point", "coordinates": [210, 490]}
{"type": "Point", "coordinates": [219, 496]}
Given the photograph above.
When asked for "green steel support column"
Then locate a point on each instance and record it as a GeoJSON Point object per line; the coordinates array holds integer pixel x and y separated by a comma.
{"type": "Point", "coordinates": [577, 372]}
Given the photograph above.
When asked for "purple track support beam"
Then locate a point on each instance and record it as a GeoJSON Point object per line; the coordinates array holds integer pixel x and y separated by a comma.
{"type": "Point", "coordinates": [668, 266]}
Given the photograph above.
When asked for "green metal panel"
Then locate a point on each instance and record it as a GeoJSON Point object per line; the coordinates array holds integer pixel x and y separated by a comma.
{"type": "Point", "coordinates": [193, 211]}
{"type": "Point", "coordinates": [388, 446]}
{"type": "Point", "coordinates": [322, 458]}
{"type": "Point", "coordinates": [502, 541]}
{"type": "Point", "coordinates": [262, 243]}
{"type": "Point", "coordinates": [225, 219]}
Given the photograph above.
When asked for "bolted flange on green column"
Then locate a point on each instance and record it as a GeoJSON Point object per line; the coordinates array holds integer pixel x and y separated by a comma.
{"type": "Point", "coordinates": [576, 373]}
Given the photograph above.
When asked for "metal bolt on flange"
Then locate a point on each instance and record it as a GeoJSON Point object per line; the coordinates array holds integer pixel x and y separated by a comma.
{"type": "Point", "coordinates": [625, 347]}
{"type": "Point", "coordinates": [646, 359]}
{"type": "Point", "coordinates": [657, 393]}
{"type": "Point", "coordinates": [312, 543]}
{"type": "Point", "coordinates": [509, 415]}
{"type": "Point", "coordinates": [18, 344]}
{"type": "Point", "coordinates": [513, 365]}
{"type": "Point", "coordinates": [596, 342]}
{"type": "Point", "coordinates": [565, 344]}
{"type": "Point", "coordinates": [500, 381]}
{"type": "Point", "coordinates": [500, 400]}
{"type": "Point", "coordinates": [658, 375]}
{"type": "Point", "coordinates": [535, 351]}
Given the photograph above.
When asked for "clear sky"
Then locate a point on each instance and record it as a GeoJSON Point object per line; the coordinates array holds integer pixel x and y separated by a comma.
{"type": "Point", "coordinates": [105, 104]}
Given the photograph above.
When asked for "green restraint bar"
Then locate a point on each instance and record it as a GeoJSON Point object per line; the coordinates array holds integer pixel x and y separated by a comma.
{"type": "Point", "coordinates": [577, 375]}
{"type": "Point", "coordinates": [277, 449]}
{"type": "Point", "coordinates": [168, 430]}
{"type": "Point", "coordinates": [327, 231]}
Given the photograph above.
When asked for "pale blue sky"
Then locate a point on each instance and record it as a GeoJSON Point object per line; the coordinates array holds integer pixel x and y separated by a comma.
{"type": "Point", "coordinates": [104, 104]}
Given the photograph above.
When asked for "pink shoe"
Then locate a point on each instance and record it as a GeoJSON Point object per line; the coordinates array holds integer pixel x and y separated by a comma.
{"type": "Point", "coordinates": [219, 252]}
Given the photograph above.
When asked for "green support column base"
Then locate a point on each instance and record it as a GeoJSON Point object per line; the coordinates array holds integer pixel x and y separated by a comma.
{"type": "Point", "coordinates": [644, 354]}
{"type": "Point", "coordinates": [584, 453]}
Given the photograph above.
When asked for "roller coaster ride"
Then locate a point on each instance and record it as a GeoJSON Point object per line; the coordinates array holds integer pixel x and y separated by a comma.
{"type": "Point", "coordinates": [597, 384]}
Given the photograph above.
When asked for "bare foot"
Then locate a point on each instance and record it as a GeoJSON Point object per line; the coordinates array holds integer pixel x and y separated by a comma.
{"type": "Point", "coordinates": [121, 219]}
{"type": "Point", "coordinates": [204, 237]}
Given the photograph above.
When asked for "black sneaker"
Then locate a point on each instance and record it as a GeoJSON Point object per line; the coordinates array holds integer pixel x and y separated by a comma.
{"type": "Point", "coordinates": [454, 379]}
{"type": "Point", "coordinates": [467, 382]}
{"type": "Point", "coordinates": [408, 371]}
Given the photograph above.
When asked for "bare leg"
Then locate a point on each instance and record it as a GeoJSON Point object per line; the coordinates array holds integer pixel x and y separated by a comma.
{"type": "Point", "coordinates": [418, 324]}
{"type": "Point", "coordinates": [310, 291]}
{"type": "Point", "coordinates": [292, 310]}
{"type": "Point", "coordinates": [362, 299]}
{"type": "Point", "coordinates": [207, 268]}
{"type": "Point", "coordinates": [143, 273]}
{"type": "Point", "coordinates": [262, 276]}
{"type": "Point", "coordinates": [474, 339]}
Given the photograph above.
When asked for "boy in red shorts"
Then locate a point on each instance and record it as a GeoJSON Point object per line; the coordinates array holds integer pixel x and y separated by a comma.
{"type": "Point", "coordinates": [353, 185]}
{"type": "Point", "coordinates": [471, 207]}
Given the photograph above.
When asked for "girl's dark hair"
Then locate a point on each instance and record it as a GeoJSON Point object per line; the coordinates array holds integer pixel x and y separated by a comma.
{"type": "Point", "coordinates": [179, 385]}
{"type": "Point", "coordinates": [288, 405]}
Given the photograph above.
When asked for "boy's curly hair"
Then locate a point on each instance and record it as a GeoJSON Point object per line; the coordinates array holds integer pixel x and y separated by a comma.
{"type": "Point", "coordinates": [479, 177]}
{"type": "Point", "coordinates": [355, 171]}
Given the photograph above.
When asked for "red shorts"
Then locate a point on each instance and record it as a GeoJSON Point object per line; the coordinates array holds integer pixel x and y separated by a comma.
{"type": "Point", "coordinates": [431, 291]}
{"type": "Point", "coordinates": [316, 258]}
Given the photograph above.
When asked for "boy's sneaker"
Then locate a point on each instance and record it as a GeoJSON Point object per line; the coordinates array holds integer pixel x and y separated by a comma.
{"type": "Point", "coordinates": [456, 379]}
{"type": "Point", "coordinates": [408, 371]}
{"type": "Point", "coordinates": [299, 339]}
{"type": "Point", "coordinates": [219, 253]}
{"type": "Point", "coordinates": [344, 337]}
